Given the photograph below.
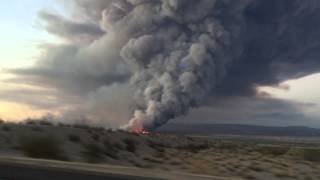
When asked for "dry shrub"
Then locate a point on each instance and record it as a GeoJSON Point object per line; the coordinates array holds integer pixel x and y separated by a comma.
{"type": "Point", "coordinates": [311, 155]}
{"type": "Point", "coordinates": [74, 138]}
{"type": "Point", "coordinates": [81, 126]}
{"type": "Point", "coordinates": [272, 150]}
{"type": "Point", "coordinates": [194, 147]}
{"type": "Point", "coordinates": [96, 137]}
{"type": "Point", "coordinates": [282, 174]}
{"type": "Point", "coordinates": [6, 128]}
{"type": "Point", "coordinates": [110, 149]}
{"type": "Point", "coordinates": [45, 147]}
{"type": "Point", "coordinates": [92, 153]}
{"type": "Point", "coordinates": [30, 122]}
{"type": "Point", "coordinates": [45, 123]}
{"type": "Point", "coordinates": [153, 160]}
{"type": "Point", "coordinates": [64, 125]}
{"type": "Point", "coordinates": [36, 129]}
{"type": "Point", "coordinates": [131, 145]}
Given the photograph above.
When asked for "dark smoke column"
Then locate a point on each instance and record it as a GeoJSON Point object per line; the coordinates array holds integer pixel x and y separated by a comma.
{"type": "Point", "coordinates": [177, 52]}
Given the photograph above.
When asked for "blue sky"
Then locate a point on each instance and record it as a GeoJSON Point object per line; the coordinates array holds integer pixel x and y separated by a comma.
{"type": "Point", "coordinates": [20, 35]}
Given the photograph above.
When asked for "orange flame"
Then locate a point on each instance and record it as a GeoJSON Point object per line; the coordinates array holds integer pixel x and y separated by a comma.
{"type": "Point", "coordinates": [140, 131]}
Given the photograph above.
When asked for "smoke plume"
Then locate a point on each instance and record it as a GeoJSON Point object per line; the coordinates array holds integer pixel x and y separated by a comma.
{"type": "Point", "coordinates": [177, 54]}
{"type": "Point", "coordinates": [171, 55]}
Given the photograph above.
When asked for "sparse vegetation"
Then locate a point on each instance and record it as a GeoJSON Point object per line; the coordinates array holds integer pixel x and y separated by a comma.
{"type": "Point", "coordinates": [194, 147]}
{"type": "Point", "coordinates": [311, 155]}
{"type": "Point", "coordinates": [96, 137]}
{"type": "Point", "coordinates": [248, 176]}
{"type": "Point", "coordinates": [308, 154]}
{"type": "Point", "coordinates": [36, 129]}
{"type": "Point", "coordinates": [74, 138]}
{"type": "Point", "coordinates": [45, 123]}
{"type": "Point", "coordinates": [256, 167]}
{"type": "Point", "coordinates": [46, 147]}
{"type": "Point", "coordinates": [219, 157]}
{"type": "Point", "coordinates": [130, 145]}
{"type": "Point", "coordinates": [308, 178]}
{"type": "Point", "coordinates": [98, 129]}
{"type": "Point", "coordinates": [272, 150]}
{"type": "Point", "coordinates": [81, 126]}
{"type": "Point", "coordinates": [92, 153]}
{"type": "Point", "coordinates": [153, 160]}
{"type": "Point", "coordinates": [30, 122]}
{"type": "Point", "coordinates": [175, 162]}
{"type": "Point", "coordinates": [6, 128]}
{"type": "Point", "coordinates": [282, 173]}
{"type": "Point", "coordinates": [118, 145]}
{"type": "Point", "coordinates": [64, 125]}
{"type": "Point", "coordinates": [110, 149]}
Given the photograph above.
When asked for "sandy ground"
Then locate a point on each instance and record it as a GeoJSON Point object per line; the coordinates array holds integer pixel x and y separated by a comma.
{"type": "Point", "coordinates": [232, 157]}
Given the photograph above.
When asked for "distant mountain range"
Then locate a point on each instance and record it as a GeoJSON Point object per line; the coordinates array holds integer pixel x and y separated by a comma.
{"type": "Point", "coordinates": [236, 129]}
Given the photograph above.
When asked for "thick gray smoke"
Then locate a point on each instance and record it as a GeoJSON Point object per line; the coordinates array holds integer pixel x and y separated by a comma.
{"type": "Point", "coordinates": [177, 53]}
{"type": "Point", "coordinates": [163, 57]}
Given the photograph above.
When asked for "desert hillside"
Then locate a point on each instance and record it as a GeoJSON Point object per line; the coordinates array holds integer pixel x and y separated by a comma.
{"type": "Point", "coordinates": [228, 157]}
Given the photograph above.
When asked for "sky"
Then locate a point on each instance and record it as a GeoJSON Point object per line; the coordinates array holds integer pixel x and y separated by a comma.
{"type": "Point", "coordinates": [23, 34]}
{"type": "Point", "coordinates": [20, 37]}
{"type": "Point", "coordinates": [294, 102]}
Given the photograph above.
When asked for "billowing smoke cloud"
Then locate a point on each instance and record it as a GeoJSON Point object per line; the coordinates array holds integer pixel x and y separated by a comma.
{"type": "Point", "coordinates": [69, 30]}
{"type": "Point", "coordinates": [173, 54]}
{"type": "Point", "coordinates": [177, 55]}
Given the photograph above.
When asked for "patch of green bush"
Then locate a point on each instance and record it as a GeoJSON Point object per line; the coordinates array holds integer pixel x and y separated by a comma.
{"type": "Point", "coordinates": [44, 147]}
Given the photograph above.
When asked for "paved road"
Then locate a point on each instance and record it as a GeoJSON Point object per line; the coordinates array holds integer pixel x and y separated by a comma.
{"type": "Point", "coordinates": [10, 171]}
{"type": "Point", "coordinates": [21, 168]}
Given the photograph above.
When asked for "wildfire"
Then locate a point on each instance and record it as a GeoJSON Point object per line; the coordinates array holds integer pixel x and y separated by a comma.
{"type": "Point", "coordinates": [140, 131]}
